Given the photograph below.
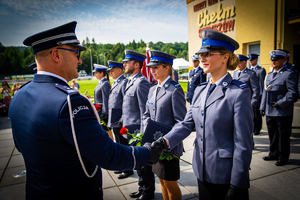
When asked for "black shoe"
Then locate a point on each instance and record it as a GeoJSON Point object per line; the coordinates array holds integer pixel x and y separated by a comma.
{"type": "Point", "coordinates": [280, 163]}
{"type": "Point", "coordinates": [267, 158]}
{"type": "Point", "coordinates": [256, 133]}
{"type": "Point", "coordinates": [145, 197]}
{"type": "Point", "coordinates": [125, 175]}
{"type": "Point", "coordinates": [136, 194]}
{"type": "Point", "coordinates": [118, 172]}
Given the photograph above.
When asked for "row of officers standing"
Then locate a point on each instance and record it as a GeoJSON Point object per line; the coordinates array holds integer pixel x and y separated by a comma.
{"type": "Point", "coordinates": [67, 137]}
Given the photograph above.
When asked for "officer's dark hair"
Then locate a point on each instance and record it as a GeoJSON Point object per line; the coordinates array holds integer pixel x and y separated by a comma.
{"type": "Point", "coordinates": [140, 63]}
{"type": "Point", "coordinates": [105, 74]}
{"type": "Point", "coordinates": [233, 60]}
{"type": "Point", "coordinates": [170, 69]}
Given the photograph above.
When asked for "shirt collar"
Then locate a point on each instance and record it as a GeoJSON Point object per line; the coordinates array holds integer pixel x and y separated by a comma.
{"type": "Point", "coordinates": [159, 85]}
{"type": "Point", "coordinates": [54, 75]}
{"type": "Point", "coordinates": [219, 81]}
{"type": "Point", "coordinates": [243, 69]}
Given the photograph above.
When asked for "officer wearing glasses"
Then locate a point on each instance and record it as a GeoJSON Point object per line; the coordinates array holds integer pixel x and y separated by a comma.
{"type": "Point", "coordinates": [277, 104]}
{"type": "Point", "coordinates": [59, 136]}
{"type": "Point", "coordinates": [222, 114]}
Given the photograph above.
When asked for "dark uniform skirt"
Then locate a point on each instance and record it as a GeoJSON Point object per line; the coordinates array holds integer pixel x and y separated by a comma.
{"type": "Point", "coordinates": [168, 170]}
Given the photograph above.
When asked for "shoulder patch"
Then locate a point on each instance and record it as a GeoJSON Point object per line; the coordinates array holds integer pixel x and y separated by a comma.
{"type": "Point", "coordinates": [24, 84]}
{"type": "Point", "coordinates": [175, 84]}
{"type": "Point", "coordinates": [66, 89]}
{"type": "Point", "coordinates": [239, 84]}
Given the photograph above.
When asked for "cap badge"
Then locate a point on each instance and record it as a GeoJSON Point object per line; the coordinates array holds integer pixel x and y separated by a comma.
{"type": "Point", "coordinates": [273, 52]}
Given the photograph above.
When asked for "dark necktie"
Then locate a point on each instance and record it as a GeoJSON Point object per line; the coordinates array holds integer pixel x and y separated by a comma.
{"type": "Point", "coordinates": [211, 89]}
{"type": "Point", "coordinates": [239, 74]}
{"type": "Point", "coordinates": [274, 74]}
{"type": "Point", "coordinates": [157, 90]}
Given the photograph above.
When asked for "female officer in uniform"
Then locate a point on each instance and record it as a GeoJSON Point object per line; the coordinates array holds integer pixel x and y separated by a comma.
{"type": "Point", "coordinates": [101, 94]}
{"type": "Point", "coordinates": [166, 105]}
{"type": "Point", "coordinates": [222, 114]}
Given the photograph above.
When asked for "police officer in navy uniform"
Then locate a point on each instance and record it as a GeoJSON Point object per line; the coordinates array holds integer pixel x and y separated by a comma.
{"type": "Point", "coordinates": [222, 114]}
{"type": "Point", "coordinates": [196, 76]}
{"type": "Point", "coordinates": [134, 106]}
{"type": "Point", "coordinates": [166, 105]}
{"type": "Point", "coordinates": [288, 65]}
{"type": "Point", "coordinates": [101, 94]}
{"type": "Point", "coordinates": [277, 104]}
{"type": "Point", "coordinates": [59, 136]}
{"type": "Point", "coordinates": [116, 101]}
{"type": "Point", "coordinates": [261, 74]}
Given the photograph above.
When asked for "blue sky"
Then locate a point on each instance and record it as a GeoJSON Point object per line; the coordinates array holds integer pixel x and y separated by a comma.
{"type": "Point", "coordinates": [109, 21]}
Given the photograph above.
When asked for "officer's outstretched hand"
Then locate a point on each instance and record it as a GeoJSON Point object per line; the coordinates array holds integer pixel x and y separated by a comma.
{"type": "Point", "coordinates": [262, 113]}
{"type": "Point", "coordinates": [275, 104]}
{"type": "Point", "coordinates": [156, 149]}
{"type": "Point", "coordinates": [234, 193]}
{"type": "Point", "coordinates": [103, 116]}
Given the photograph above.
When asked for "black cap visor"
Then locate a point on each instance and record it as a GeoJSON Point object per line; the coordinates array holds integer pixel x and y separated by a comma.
{"type": "Point", "coordinates": [209, 48]}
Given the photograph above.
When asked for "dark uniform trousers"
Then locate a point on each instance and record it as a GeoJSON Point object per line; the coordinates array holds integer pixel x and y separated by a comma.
{"type": "Point", "coordinates": [211, 191]}
{"type": "Point", "coordinates": [279, 129]}
{"type": "Point", "coordinates": [257, 119]}
{"type": "Point", "coordinates": [146, 181]}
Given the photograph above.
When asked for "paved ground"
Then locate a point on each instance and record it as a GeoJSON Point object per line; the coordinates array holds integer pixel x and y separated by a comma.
{"type": "Point", "coordinates": [268, 181]}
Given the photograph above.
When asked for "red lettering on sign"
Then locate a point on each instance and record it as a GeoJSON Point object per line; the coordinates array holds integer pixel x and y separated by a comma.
{"type": "Point", "coordinates": [221, 27]}
{"type": "Point", "coordinates": [199, 6]}
{"type": "Point", "coordinates": [211, 2]}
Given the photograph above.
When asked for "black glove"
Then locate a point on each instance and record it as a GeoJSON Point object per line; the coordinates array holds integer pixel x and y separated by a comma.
{"type": "Point", "coordinates": [262, 113]}
{"type": "Point", "coordinates": [160, 142]}
{"type": "Point", "coordinates": [234, 193]}
{"type": "Point", "coordinates": [187, 99]}
{"type": "Point", "coordinates": [103, 116]}
{"type": "Point", "coordinates": [275, 104]}
{"type": "Point", "coordinates": [154, 153]}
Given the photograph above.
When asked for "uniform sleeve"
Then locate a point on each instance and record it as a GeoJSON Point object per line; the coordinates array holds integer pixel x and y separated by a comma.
{"type": "Point", "coordinates": [178, 104]}
{"type": "Point", "coordinates": [146, 115]}
{"type": "Point", "coordinates": [142, 95]}
{"type": "Point", "coordinates": [262, 80]}
{"type": "Point", "coordinates": [255, 90]}
{"type": "Point", "coordinates": [243, 127]}
{"type": "Point", "coordinates": [94, 143]}
{"type": "Point", "coordinates": [105, 96]}
{"type": "Point", "coordinates": [291, 95]}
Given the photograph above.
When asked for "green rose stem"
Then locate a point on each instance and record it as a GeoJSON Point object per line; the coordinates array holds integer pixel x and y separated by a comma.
{"type": "Point", "coordinates": [103, 123]}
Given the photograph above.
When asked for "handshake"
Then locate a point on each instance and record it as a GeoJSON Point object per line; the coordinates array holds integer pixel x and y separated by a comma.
{"type": "Point", "coordinates": [156, 149]}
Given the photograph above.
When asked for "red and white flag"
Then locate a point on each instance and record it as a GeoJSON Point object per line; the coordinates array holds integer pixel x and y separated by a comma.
{"type": "Point", "coordinates": [146, 71]}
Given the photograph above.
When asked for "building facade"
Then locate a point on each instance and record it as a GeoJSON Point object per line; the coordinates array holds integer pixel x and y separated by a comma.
{"type": "Point", "coordinates": [259, 26]}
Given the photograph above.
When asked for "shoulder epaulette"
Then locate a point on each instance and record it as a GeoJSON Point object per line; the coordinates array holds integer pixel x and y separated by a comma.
{"type": "Point", "coordinates": [153, 84]}
{"type": "Point", "coordinates": [175, 83]}
{"type": "Point", "coordinates": [25, 84]}
{"type": "Point", "coordinates": [66, 89]}
{"type": "Point", "coordinates": [239, 84]}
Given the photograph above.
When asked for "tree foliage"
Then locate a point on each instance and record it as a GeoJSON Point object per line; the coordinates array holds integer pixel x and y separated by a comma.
{"type": "Point", "coordinates": [14, 61]}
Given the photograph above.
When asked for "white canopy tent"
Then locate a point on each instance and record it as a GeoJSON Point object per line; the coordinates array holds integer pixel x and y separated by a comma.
{"type": "Point", "coordinates": [180, 63]}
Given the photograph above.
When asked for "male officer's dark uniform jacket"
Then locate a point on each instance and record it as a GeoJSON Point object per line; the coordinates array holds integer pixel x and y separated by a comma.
{"type": "Point", "coordinates": [134, 101]}
{"type": "Point", "coordinates": [116, 98]}
{"type": "Point", "coordinates": [101, 94]}
{"type": "Point", "coordinates": [249, 77]}
{"type": "Point", "coordinates": [42, 132]}
{"type": "Point", "coordinates": [196, 76]}
{"type": "Point", "coordinates": [261, 74]}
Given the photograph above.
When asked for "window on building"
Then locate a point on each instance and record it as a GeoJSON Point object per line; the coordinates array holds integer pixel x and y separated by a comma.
{"type": "Point", "coordinates": [254, 48]}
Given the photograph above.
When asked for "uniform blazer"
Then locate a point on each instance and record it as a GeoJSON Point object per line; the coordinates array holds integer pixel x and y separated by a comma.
{"type": "Point", "coordinates": [167, 107]}
{"type": "Point", "coordinates": [134, 101]}
{"type": "Point", "coordinates": [249, 77]}
{"type": "Point", "coordinates": [261, 75]}
{"type": "Point", "coordinates": [284, 85]}
{"type": "Point", "coordinates": [224, 125]}
{"type": "Point", "coordinates": [175, 75]}
{"type": "Point", "coordinates": [195, 78]}
{"type": "Point", "coordinates": [45, 140]}
{"type": "Point", "coordinates": [116, 97]}
{"type": "Point", "coordinates": [101, 94]}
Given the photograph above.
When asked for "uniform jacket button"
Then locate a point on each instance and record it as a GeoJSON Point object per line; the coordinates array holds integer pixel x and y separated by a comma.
{"type": "Point", "coordinates": [201, 126]}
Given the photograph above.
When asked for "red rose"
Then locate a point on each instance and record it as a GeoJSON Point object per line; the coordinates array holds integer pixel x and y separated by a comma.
{"type": "Point", "coordinates": [123, 131]}
{"type": "Point", "coordinates": [97, 106]}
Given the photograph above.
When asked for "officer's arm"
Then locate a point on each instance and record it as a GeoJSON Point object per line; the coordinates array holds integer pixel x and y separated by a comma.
{"type": "Point", "coordinates": [105, 96]}
{"type": "Point", "coordinates": [243, 126]}
{"type": "Point", "coordinates": [255, 90]}
{"type": "Point", "coordinates": [146, 115]}
{"type": "Point", "coordinates": [142, 94]}
{"type": "Point", "coordinates": [178, 104]}
{"type": "Point", "coordinates": [94, 143]}
{"type": "Point", "coordinates": [291, 95]}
